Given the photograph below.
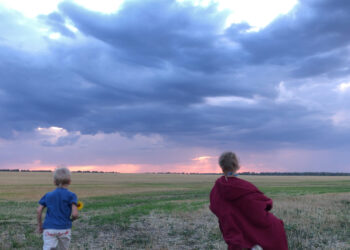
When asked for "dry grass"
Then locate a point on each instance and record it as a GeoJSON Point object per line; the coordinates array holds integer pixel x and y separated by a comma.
{"type": "Point", "coordinates": [316, 221]}
{"type": "Point", "coordinates": [31, 186]}
{"type": "Point", "coordinates": [145, 211]}
{"type": "Point", "coordinates": [177, 230]}
{"type": "Point", "coordinates": [312, 222]}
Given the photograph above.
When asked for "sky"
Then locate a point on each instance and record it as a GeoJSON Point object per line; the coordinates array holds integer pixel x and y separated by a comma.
{"type": "Point", "coordinates": [156, 86]}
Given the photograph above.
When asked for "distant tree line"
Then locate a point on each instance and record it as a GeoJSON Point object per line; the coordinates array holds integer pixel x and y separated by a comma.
{"type": "Point", "coordinates": [27, 170]}
{"type": "Point", "coordinates": [297, 173]}
{"type": "Point", "coordinates": [186, 173]}
{"type": "Point", "coordinates": [268, 173]}
{"type": "Point", "coordinates": [23, 170]}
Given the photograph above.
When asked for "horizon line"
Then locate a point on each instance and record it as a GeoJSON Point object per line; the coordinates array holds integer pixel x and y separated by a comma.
{"type": "Point", "coordinates": [182, 172]}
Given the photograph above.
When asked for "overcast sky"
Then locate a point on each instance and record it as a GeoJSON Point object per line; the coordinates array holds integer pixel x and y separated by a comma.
{"type": "Point", "coordinates": [168, 85]}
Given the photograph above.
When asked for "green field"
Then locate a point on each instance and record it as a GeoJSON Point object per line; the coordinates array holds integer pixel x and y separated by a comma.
{"type": "Point", "coordinates": [148, 211]}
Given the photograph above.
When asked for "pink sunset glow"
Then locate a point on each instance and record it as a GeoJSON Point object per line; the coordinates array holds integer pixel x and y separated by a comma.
{"type": "Point", "coordinates": [202, 164]}
{"type": "Point", "coordinates": [139, 168]}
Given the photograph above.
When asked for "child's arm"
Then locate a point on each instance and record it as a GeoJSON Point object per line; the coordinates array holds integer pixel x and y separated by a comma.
{"type": "Point", "coordinates": [39, 212]}
{"type": "Point", "coordinates": [74, 212]}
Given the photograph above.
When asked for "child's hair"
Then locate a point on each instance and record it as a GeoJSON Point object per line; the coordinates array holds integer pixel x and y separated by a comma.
{"type": "Point", "coordinates": [228, 162]}
{"type": "Point", "coordinates": [61, 176]}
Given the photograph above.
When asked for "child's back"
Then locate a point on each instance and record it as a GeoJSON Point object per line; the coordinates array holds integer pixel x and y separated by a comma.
{"type": "Point", "coordinates": [61, 205]}
{"type": "Point", "coordinates": [244, 212]}
{"type": "Point", "coordinates": [59, 208]}
{"type": "Point", "coordinates": [244, 217]}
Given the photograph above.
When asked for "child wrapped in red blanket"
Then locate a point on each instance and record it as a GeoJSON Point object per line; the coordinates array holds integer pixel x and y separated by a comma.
{"type": "Point", "coordinates": [243, 211]}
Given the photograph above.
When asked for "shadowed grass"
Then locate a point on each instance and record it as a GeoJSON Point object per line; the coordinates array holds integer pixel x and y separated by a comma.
{"type": "Point", "coordinates": [304, 190]}
{"type": "Point", "coordinates": [127, 215]}
{"type": "Point", "coordinates": [130, 199]}
{"type": "Point", "coordinates": [123, 208]}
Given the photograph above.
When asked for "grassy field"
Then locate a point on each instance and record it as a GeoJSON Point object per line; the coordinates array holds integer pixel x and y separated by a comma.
{"type": "Point", "coordinates": [146, 211]}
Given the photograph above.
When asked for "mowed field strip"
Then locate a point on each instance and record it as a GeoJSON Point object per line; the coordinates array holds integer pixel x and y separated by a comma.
{"type": "Point", "coordinates": [26, 186]}
{"type": "Point", "coordinates": [170, 211]}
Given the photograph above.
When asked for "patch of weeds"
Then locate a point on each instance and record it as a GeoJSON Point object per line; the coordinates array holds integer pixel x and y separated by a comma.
{"type": "Point", "coordinates": [125, 216]}
{"type": "Point", "coordinates": [172, 232]}
{"type": "Point", "coordinates": [125, 209]}
{"type": "Point", "coordinates": [290, 227]}
{"type": "Point", "coordinates": [187, 233]}
{"type": "Point", "coordinates": [214, 235]}
{"type": "Point", "coordinates": [31, 237]}
{"type": "Point", "coordinates": [306, 189]}
{"type": "Point", "coordinates": [135, 199]}
{"type": "Point", "coordinates": [345, 203]}
{"type": "Point", "coordinates": [16, 244]}
{"type": "Point", "coordinates": [140, 240]}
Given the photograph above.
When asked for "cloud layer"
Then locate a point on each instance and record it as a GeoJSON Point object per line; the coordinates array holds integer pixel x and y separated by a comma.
{"type": "Point", "coordinates": [170, 70]}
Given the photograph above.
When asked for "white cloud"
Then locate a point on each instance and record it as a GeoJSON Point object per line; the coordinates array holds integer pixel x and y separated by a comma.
{"type": "Point", "coordinates": [308, 95]}
{"type": "Point", "coordinates": [34, 8]}
{"type": "Point", "coordinates": [104, 6]}
{"type": "Point", "coordinates": [55, 136]}
{"type": "Point", "coordinates": [31, 8]}
{"type": "Point", "coordinates": [203, 158]}
{"type": "Point", "coordinates": [230, 101]}
{"type": "Point", "coordinates": [284, 95]}
{"type": "Point", "coordinates": [255, 12]}
{"type": "Point", "coordinates": [71, 27]}
{"type": "Point", "coordinates": [55, 36]}
{"type": "Point", "coordinates": [52, 131]}
{"type": "Point", "coordinates": [343, 87]}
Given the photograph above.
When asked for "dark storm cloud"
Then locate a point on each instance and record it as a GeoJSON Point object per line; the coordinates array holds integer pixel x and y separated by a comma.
{"type": "Point", "coordinates": [312, 27]}
{"type": "Point", "coordinates": [333, 63]}
{"type": "Point", "coordinates": [150, 67]}
{"type": "Point", "coordinates": [35, 90]}
{"type": "Point", "coordinates": [157, 33]}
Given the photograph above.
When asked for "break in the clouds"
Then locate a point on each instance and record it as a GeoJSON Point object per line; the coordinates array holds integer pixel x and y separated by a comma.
{"type": "Point", "coordinates": [156, 85]}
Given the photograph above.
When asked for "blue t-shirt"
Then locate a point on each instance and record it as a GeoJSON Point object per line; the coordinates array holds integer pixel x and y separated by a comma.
{"type": "Point", "coordinates": [59, 208]}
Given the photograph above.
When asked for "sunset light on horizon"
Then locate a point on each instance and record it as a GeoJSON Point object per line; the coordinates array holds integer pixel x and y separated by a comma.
{"type": "Point", "coordinates": [201, 164]}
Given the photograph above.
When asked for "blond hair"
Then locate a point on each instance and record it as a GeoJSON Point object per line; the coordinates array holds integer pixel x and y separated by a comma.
{"type": "Point", "coordinates": [228, 162]}
{"type": "Point", "coordinates": [61, 176]}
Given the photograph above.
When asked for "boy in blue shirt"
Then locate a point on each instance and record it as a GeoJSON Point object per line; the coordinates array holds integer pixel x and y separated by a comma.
{"type": "Point", "coordinates": [62, 209]}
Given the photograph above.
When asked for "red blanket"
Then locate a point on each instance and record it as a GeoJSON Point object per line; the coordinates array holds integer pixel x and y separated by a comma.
{"type": "Point", "coordinates": [244, 217]}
